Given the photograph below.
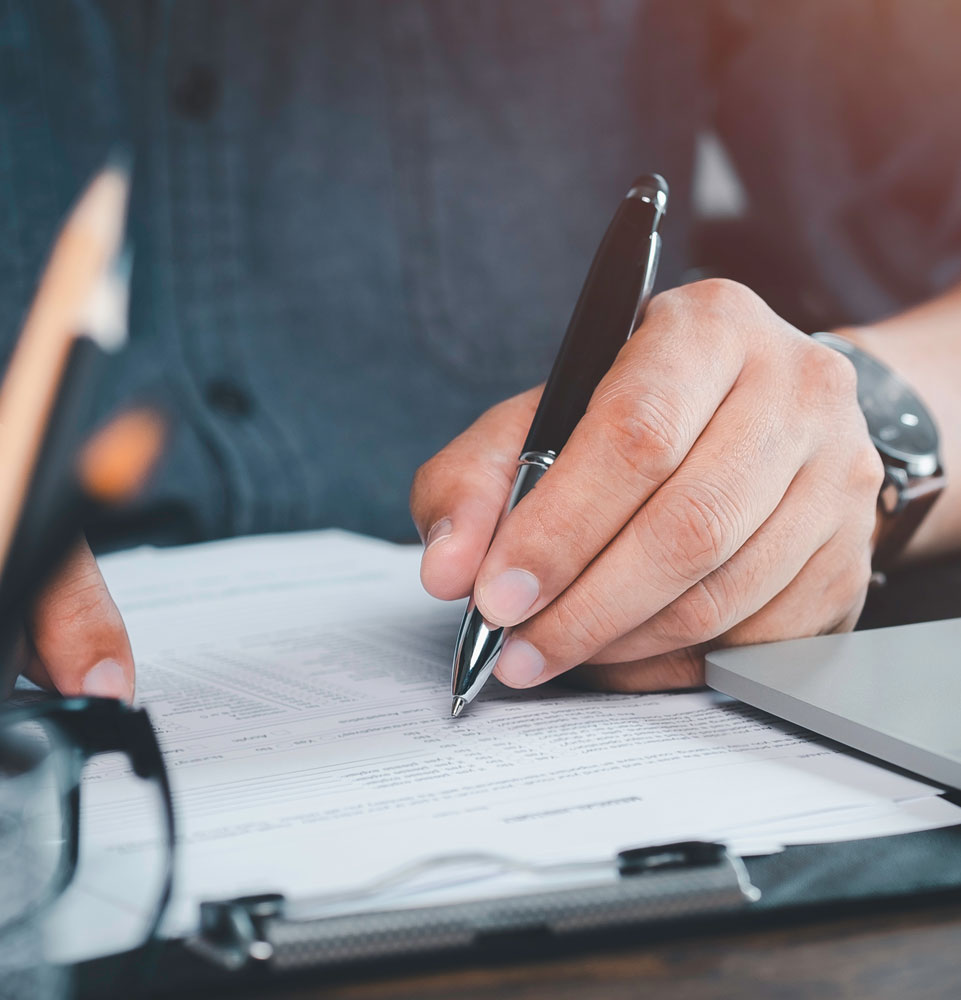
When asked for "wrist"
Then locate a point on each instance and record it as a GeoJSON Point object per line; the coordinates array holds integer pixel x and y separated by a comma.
{"type": "Point", "coordinates": [905, 434]}
{"type": "Point", "coordinates": [861, 337]}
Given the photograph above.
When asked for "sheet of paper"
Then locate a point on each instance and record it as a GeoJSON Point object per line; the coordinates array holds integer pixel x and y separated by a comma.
{"type": "Point", "coordinates": [300, 688]}
{"type": "Point", "coordinates": [883, 820]}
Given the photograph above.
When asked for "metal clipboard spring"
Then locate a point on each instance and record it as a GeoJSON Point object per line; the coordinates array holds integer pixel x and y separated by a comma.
{"type": "Point", "coordinates": [643, 885]}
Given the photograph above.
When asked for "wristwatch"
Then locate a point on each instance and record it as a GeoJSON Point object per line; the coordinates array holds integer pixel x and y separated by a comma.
{"type": "Point", "coordinates": [906, 437]}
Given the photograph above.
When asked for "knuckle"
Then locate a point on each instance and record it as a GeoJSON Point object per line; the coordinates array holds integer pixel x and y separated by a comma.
{"type": "Point", "coordinates": [702, 613]}
{"type": "Point", "coordinates": [723, 294]}
{"type": "Point", "coordinates": [826, 376]}
{"type": "Point", "coordinates": [646, 433]}
{"type": "Point", "coordinates": [695, 527]}
{"type": "Point", "coordinates": [419, 485]}
{"type": "Point", "coordinates": [671, 300]}
{"type": "Point", "coordinates": [428, 478]}
{"type": "Point", "coordinates": [720, 294]}
{"type": "Point", "coordinates": [582, 625]}
{"type": "Point", "coordinates": [441, 479]}
{"type": "Point", "coordinates": [553, 523]}
{"type": "Point", "coordinates": [429, 492]}
{"type": "Point", "coordinates": [869, 469]}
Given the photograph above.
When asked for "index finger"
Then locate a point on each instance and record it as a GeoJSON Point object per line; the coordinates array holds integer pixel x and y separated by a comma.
{"type": "Point", "coordinates": [78, 633]}
{"type": "Point", "coordinates": [662, 391]}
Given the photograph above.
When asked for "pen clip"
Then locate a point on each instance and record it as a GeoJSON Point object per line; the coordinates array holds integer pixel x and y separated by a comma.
{"type": "Point", "coordinates": [647, 289]}
{"type": "Point", "coordinates": [653, 189]}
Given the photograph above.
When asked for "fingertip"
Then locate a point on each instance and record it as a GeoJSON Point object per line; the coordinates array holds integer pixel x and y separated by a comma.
{"type": "Point", "coordinates": [455, 546]}
{"type": "Point", "coordinates": [509, 597]}
{"type": "Point", "coordinates": [521, 664]}
{"type": "Point", "coordinates": [78, 634]}
{"type": "Point", "coordinates": [108, 679]}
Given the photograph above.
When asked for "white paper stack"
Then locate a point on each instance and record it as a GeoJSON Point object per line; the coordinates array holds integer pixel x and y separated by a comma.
{"type": "Point", "coordinates": [300, 686]}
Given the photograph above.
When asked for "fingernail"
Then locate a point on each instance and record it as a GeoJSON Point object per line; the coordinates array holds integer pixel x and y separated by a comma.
{"type": "Point", "coordinates": [439, 530]}
{"type": "Point", "coordinates": [520, 663]}
{"type": "Point", "coordinates": [107, 680]}
{"type": "Point", "coordinates": [508, 596]}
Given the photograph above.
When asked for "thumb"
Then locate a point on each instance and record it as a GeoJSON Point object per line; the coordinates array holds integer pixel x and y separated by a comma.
{"type": "Point", "coordinates": [77, 633]}
{"type": "Point", "coordinates": [458, 496]}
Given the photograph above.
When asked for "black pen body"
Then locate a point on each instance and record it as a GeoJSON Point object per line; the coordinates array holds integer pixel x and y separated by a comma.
{"type": "Point", "coordinates": [603, 318]}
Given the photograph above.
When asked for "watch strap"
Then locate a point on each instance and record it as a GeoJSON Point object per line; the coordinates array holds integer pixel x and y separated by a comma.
{"type": "Point", "coordinates": [900, 518]}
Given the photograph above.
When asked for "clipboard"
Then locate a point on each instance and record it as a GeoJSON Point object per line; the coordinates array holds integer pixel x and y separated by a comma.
{"type": "Point", "coordinates": [651, 884]}
{"type": "Point", "coordinates": [681, 889]}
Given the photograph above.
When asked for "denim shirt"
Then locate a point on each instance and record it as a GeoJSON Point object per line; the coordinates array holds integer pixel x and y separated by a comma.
{"type": "Point", "coordinates": [358, 224]}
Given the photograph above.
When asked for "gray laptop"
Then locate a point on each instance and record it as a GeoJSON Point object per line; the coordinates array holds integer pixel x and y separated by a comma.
{"type": "Point", "coordinates": [894, 693]}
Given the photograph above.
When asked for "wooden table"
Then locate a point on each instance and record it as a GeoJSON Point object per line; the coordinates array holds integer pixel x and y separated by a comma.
{"type": "Point", "coordinates": [912, 954]}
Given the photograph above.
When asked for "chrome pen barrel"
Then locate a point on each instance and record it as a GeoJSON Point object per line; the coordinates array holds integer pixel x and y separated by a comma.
{"type": "Point", "coordinates": [479, 643]}
{"type": "Point", "coordinates": [647, 289]}
{"type": "Point", "coordinates": [478, 646]}
{"type": "Point", "coordinates": [530, 467]}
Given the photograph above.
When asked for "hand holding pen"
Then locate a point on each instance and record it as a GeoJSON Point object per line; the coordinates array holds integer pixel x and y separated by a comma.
{"type": "Point", "coordinates": [718, 489]}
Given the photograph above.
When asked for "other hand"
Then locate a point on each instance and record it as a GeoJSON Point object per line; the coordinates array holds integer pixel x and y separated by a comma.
{"type": "Point", "coordinates": [74, 640]}
{"type": "Point", "coordinates": [721, 489]}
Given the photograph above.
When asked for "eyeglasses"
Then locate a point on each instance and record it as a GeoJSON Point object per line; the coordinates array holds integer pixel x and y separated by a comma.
{"type": "Point", "coordinates": [44, 750]}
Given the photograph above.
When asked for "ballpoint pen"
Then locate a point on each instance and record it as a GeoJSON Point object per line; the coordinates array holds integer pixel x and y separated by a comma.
{"type": "Point", "coordinates": [610, 307]}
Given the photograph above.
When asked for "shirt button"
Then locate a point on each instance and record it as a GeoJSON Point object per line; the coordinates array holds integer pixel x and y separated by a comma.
{"type": "Point", "coordinates": [197, 94]}
{"type": "Point", "coordinates": [228, 399]}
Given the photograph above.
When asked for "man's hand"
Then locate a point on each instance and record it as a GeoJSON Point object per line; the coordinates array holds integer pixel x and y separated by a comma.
{"type": "Point", "coordinates": [721, 489]}
{"type": "Point", "coordinates": [75, 640]}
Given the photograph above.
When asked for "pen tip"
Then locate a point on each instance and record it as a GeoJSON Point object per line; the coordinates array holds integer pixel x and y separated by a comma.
{"type": "Point", "coordinates": [457, 706]}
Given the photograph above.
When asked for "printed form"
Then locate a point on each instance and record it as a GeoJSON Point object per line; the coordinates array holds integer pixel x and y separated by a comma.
{"type": "Point", "coordinates": [299, 686]}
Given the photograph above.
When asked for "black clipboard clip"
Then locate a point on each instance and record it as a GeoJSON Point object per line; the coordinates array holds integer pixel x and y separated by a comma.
{"type": "Point", "coordinates": [642, 885]}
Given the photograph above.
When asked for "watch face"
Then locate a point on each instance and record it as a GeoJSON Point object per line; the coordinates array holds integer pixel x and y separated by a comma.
{"type": "Point", "coordinates": [897, 420]}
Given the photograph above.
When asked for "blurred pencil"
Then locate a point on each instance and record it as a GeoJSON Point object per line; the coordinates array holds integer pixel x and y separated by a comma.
{"type": "Point", "coordinates": [112, 468]}
{"type": "Point", "coordinates": [69, 293]}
